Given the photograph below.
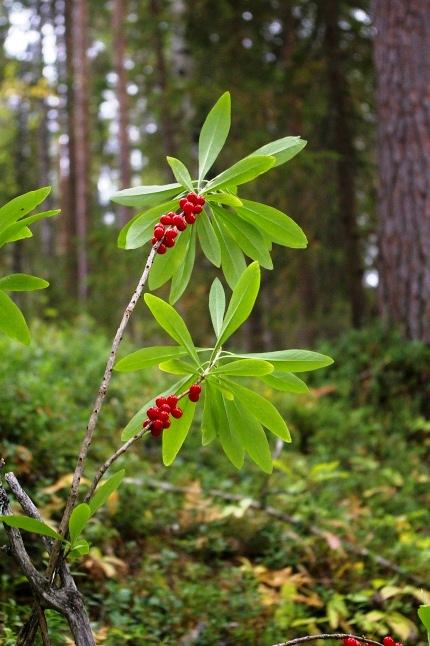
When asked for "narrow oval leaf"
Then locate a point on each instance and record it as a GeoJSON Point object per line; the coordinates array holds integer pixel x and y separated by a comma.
{"type": "Point", "coordinates": [251, 434]}
{"type": "Point", "coordinates": [78, 519]}
{"type": "Point", "coordinates": [177, 367]}
{"type": "Point", "coordinates": [147, 357]}
{"type": "Point", "coordinates": [105, 489]}
{"type": "Point", "coordinates": [232, 259]}
{"type": "Point", "coordinates": [182, 275]}
{"type": "Point", "coordinates": [22, 283]}
{"type": "Point", "coordinates": [241, 302]}
{"type": "Point", "coordinates": [286, 381]}
{"type": "Point", "coordinates": [174, 437]}
{"type": "Point", "coordinates": [224, 198]}
{"type": "Point", "coordinates": [217, 305]}
{"type": "Point", "coordinates": [19, 229]}
{"type": "Point", "coordinates": [31, 525]}
{"type": "Point", "coordinates": [264, 411]}
{"type": "Point", "coordinates": [293, 360]}
{"type": "Point", "coordinates": [165, 266]}
{"type": "Point", "coordinates": [169, 319]}
{"type": "Point", "coordinates": [228, 434]}
{"type": "Point", "coordinates": [244, 368]}
{"type": "Point", "coordinates": [278, 226]}
{"type": "Point", "coordinates": [209, 425]}
{"type": "Point", "coordinates": [181, 173]}
{"type": "Point", "coordinates": [146, 195]}
{"type": "Point", "coordinates": [243, 171]}
{"type": "Point", "coordinates": [248, 237]}
{"type": "Point", "coordinates": [282, 149]}
{"type": "Point", "coordinates": [12, 321]}
{"type": "Point", "coordinates": [213, 134]}
{"type": "Point", "coordinates": [21, 205]}
{"type": "Point", "coordinates": [208, 239]}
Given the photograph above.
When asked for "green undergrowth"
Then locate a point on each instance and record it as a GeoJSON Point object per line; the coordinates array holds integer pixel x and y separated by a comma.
{"type": "Point", "coordinates": [193, 568]}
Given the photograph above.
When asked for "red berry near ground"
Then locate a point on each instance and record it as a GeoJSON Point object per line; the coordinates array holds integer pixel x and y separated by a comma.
{"type": "Point", "coordinates": [152, 413]}
{"type": "Point", "coordinates": [165, 407]}
{"type": "Point", "coordinates": [172, 400]}
{"type": "Point", "coordinates": [179, 223]}
{"type": "Point", "coordinates": [388, 641]}
{"type": "Point", "coordinates": [190, 218]}
{"type": "Point", "coordinates": [158, 232]}
{"type": "Point", "coordinates": [166, 219]}
{"type": "Point", "coordinates": [176, 413]}
{"type": "Point", "coordinates": [169, 242]}
{"type": "Point", "coordinates": [157, 427]}
{"type": "Point", "coordinates": [162, 249]}
{"type": "Point", "coordinates": [160, 401]}
{"type": "Point", "coordinates": [198, 208]}
{"type": "Point", "coordinates": [182, 202]}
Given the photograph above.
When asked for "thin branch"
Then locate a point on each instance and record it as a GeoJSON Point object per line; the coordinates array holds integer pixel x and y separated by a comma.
{"type": "Point", "coordinates": [326, 636]}
{"type": "Point", "coordinates": [271, 511]}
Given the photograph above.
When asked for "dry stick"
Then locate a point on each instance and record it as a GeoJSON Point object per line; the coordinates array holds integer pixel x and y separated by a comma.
{"type": "Point", "coordinates": [271, 511]}
{"type": "Point", "coordinates": [325, 636]}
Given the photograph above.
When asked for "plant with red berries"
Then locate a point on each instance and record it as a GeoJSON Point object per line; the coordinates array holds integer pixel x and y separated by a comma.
{"type": "Point", "coordinates": [228, 228]}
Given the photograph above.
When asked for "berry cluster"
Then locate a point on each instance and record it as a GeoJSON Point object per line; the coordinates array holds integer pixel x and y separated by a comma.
{"type": "Point", "coordinates": [167, 229]}
{"type": "Point", "coordinates": [158, 416]}
{"type": "Point", "coordinates": [387, 641]}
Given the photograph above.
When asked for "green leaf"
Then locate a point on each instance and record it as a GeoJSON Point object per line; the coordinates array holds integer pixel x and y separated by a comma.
{"type": "Point", "coordinates": [209, 424]}
{"type": "Point", "coordinates": [165, 266]}
{"type": "Point", "coordinates": [217, 305]}
{"type": "Point", "coordinates": [19, 229]}
{"type": "Point", "coordinates": [12, 322]}
{"type": "Point", "coordinates": [278, 226]}
{"type": "Point", "coordinates": [21, 234]}
{"type": "Point", "coordinates": [22, 283]}
{"type": "Point", "coordinates": [424, 615]}
{"type": "Point", "coordinates": [140, 229]}
{"type": "Point", "coordinates": [181, 173]}
{"type": "Point", "coordinates": [134, 425]}
{"type": "Point", "coordinates": [80, 548]}
{"type": "Point", "coordinates": [146, 195]}
{"type": "Point", "coordinates": [286, 381]}
{"type": "Point", "coordinates": [147, 357]}
{"type": "Point", "coordinates": [227, 433]}
{"type": "Point", "coordinates": [244, 368]}
{"type": "Point", "coordinates": [31, 525]}
{"type": "Point", "coordinates": [293, 360]}
{"type": "Point", "coordinates": [214, 380]}
{"type": "Point", "coordinates": [282, 149]}
{"type": "Point", "coordinates": [252, 435]}
{"type": "Point", "coordinates": [78, 519]}
{"type": "Point", "coordinates": [105, 489]}
{"type": "Point", "coordinates": [241, 302]}
{"type": "Point", "coordinates": [168, 318]}
{"type": "Point", "coordinates": [177, 367]}
{"type": "Point", "coordinates": [232, 259]}
{"type": "Point", "coordinates": [21, 205]}
{"type": "Point", "coordinates": [213, 134]}
{"type": "Point", "coordinates": [208, 240]}
{"type": "Point", "coordinates": [249, 238]}
{"type": "Point", "coordinates": [243, 171]}
{"type": "Point", "coordinates": [224, 198]}
{"type": "Point", "coordinates": [261, 408]}
{"type": "Point", "coordinates": [182, 275]}
{"type": "Point", "coordinates": [174, 437]}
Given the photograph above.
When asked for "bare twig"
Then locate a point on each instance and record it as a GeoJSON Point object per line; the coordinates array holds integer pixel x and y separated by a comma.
{"type": "Point", "coordinates": [326, 636]}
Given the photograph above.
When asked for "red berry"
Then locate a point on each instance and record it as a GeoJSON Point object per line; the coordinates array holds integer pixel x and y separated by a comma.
{"type": "Point", "coordinates": [388, 641]}
{"type": "Point", "coordinates": [194, 392]}
{"type": "Point", "coordinates": [351, 641]}
{"type": "Point", "coordinates": [169, 242]}
{"type": "Point", "coordinates": [166, 424]}
{"type": "Point", "coordinates": [171, 233]}
{"type": "Point", "coordinates": [158, 232]}
{"type": "Point", "coordinates": [201, 200]}
{"type": "Point", "coordinates": [163, 416]}
{"type": "Point", "coordinates": [160, 401]}
{"type": "Point", "coordinates": [166, 219]}
{"type": "Point", "coordinates": [179, 223]}
{"type": "Point", "coordinates": [162, 249]}
{"type": "Point", "coordinates": [192, 197]}
{"type": "Point", "coordinates": [152, 413]}
{"type": "Point", "coordinates": [190, 218]}
{"type": "Point", "coordinates": [154, 240]}
{"type": "Point", "coordinates": [177, 412]}
{"type": "Point", "coordinates": [198, 209]}
{"type": "Point", "coordinates": [157, 427]}
{"type": "Point", "coordinates": [165, 407]}
{"type": "Point", "coordinates": [146, 423]}
{"type": "Point", "coordinates": [172, 400]}
{"type": "Point", "coordinates": [182, 202]}
{"type": "Point", "coordinates": [188, 207]}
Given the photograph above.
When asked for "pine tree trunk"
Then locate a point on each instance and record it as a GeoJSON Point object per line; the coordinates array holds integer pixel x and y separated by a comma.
{"type": "Point", "coordinates": [118, 26]}
{"type": "Point", "coordinates": [402, 59]}
{"type": "Point", "coordinates": [343, 144]}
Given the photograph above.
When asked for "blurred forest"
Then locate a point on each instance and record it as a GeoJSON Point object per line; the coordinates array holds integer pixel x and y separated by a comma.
{"type": "Point", "coordinates": [93, 96]}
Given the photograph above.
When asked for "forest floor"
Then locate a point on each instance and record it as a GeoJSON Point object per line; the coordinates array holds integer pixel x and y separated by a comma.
{"type": "Point", "coordinates": [200, 553]}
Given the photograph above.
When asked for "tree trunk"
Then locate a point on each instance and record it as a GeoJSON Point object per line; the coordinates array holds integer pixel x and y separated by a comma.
{"type": "Point", "coordinates": [343, 144]}
{"type": "Point", "coordinates": [402, 59]}
{"type": "Point", "coordinates": [79, 623]}
{"type": "Point", "coordinates": [118, 26]}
